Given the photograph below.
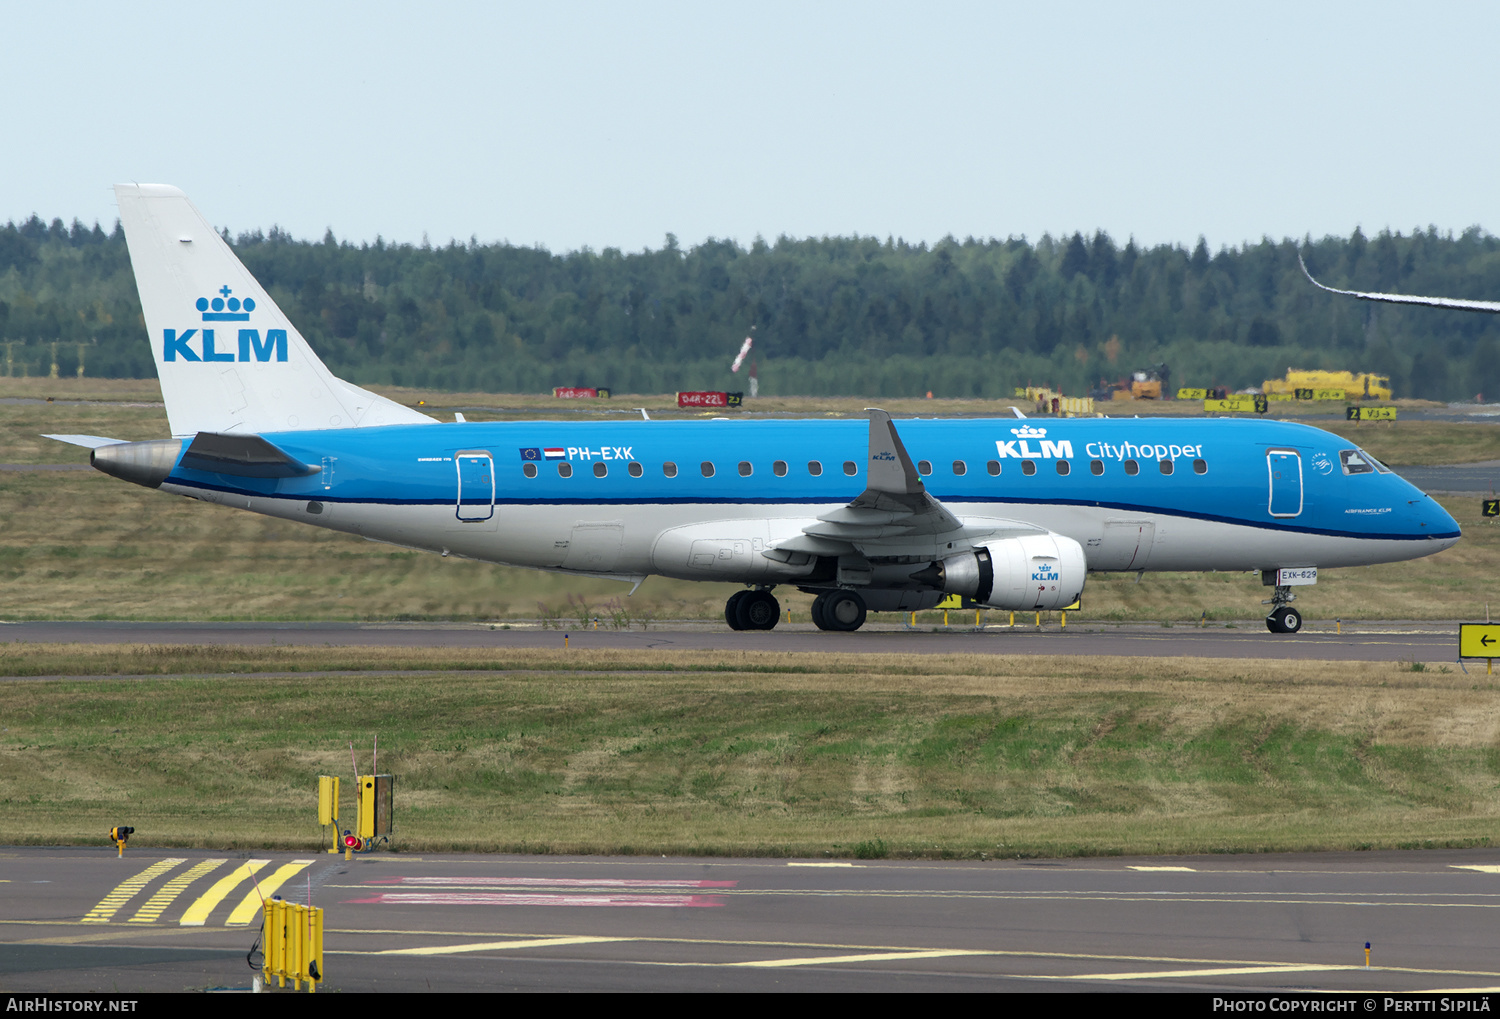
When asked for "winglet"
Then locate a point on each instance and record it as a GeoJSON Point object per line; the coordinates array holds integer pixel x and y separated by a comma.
{"type": "Point", "coordinates": [890, 469]}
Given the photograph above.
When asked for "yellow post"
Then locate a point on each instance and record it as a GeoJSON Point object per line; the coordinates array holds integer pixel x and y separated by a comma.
{"type": "Point", "coordinates": [1012, 618]}
{"type": "Point", "coordinates": [1038, 620]}
{"type": "Point", "coordinates": [1367, 953]}
{"type": "Point", "coordinates": [328, 806]}
{"type": "Point", "coordinates": [1064, 620]}
{"type": "Point", "coordinates": [976, 616]}
{"type": "Point", "coordinates": [945, 617]}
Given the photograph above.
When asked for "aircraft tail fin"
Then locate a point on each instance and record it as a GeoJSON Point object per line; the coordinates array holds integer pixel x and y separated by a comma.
{"type": "Point", "coordinates": [228, 358]}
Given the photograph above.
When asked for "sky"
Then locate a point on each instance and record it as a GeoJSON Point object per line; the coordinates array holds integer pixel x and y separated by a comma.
{"type": "Point", "coordinates": [567, 124]}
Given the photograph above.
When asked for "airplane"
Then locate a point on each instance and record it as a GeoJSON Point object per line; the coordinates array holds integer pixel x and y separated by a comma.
{"type": "Point", "coordinates": [1010, 513]}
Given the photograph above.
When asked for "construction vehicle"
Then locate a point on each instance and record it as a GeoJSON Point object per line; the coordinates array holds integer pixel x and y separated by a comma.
{"type": "Point", "coordinates": [1152, 383]}
{"type": "Point", "coordinates": [1355, 386]}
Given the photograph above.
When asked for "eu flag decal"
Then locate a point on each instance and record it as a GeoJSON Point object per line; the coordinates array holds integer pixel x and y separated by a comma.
{"type": "Point", "coordinates": [531, 453]}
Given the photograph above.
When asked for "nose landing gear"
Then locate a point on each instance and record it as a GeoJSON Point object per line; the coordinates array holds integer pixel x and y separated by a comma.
{"type": "Point", "coordinates": [1282, 617]}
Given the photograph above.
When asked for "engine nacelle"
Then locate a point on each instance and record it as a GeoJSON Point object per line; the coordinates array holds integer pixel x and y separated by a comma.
{"type": "Point", "coordinates": [1036, 571]}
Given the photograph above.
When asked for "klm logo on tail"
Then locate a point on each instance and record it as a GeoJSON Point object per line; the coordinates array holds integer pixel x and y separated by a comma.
{"type": "Point", "coordinates": [223, 308]}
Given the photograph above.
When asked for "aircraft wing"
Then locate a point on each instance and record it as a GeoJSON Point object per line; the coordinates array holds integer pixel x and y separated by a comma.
{"type": "Point", "coordinates": [895, 515]}
{"type": "Point", "coordinates": [1455, 303]}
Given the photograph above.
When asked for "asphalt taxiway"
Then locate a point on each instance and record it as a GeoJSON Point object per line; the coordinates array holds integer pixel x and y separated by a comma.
{"type": "Point", "coordinates": [1368, 642]}
{"type": "Point", "coordinates": [166, 920]}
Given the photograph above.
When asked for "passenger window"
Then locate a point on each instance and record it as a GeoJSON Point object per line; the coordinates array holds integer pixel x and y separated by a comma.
{"type": "Point", "coordinates": [1096, 466]}
{"type": "Point", "coordinates": [707, 469]}
{"type": "Point", "coordinates": [564, 470]}
{"type": "Point", "coordinates": [1200, 467]}
{"type": "Point", "coordinates": [814, 468]}
{"type": "Point", "coordinates": [745, 469]}
{"type": "Point", "coordinates": [924, 468]}
{"type": "Point", "coordinates": [1063, 467]}
{"type": "Point", "coordinates": [960, 468]}
{"type": "Point", "coordinates": [993, 467]}
{"type": "Point", "coordinates": [529, 470]}
{"type": "Point", "coordinates": [779, 468]}
{"type": "Point", "coordinates": [635, 469]}
{"type": "Point", "coordinates": [850, 468]}
{"type": "Point", "coordinates": [1132, 468]}
{"type": "Point", "coordinates": [1028, 467]}
{"type": "Point", "coordinates": [1355, 462]}
{"type": "Point", "coordinates": [1166, 466]}
{"type": "Point", "coordinates": [601, 470]}
{"type": "Point", "coordinates": [669, 469]}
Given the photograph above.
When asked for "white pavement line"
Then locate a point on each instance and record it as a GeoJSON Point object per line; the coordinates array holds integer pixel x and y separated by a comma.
{"type": "Point", "coordinates": [1483, 868]}
{"type": "Point", "coordinates": [1169, 974]}
{"type": "Point", "coordinates": [1184, 870]}
{"type": "Point", "coordinates": [828, 960]}
{"type": "Point", "coordinates": [791, 863]}
{"type": "Point", "coordinates": [493, 946]}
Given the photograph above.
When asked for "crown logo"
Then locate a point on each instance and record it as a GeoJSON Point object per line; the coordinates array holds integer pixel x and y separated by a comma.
{"type": "Point", "coordinates": [225, 308]}
{"type": "Point", "coordinates": [1028, 432]}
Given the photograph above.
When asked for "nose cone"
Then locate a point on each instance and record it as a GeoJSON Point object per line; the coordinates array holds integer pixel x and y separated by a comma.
{"type": "Point", "coordinates": [1438, 524]}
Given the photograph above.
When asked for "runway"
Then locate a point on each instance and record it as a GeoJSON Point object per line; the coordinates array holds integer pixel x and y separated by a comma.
{"type": "Point", "coordinates": [1368, 642]}
{"type": "Point", "coordinates": [80, 919]}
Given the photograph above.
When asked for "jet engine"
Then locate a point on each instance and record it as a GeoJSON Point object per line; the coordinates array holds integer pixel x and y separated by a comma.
{"type": "Point", "coordinates": [1035, 571]}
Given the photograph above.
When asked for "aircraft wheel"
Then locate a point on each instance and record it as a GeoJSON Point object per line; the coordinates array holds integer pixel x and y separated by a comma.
{"type": "Point", "coordinates": [843, 610]}
{"type": "Point", "coordinates": [732, 609]}
{"type": "Point", "coordinates": [757, 610]}
{"type": "Point", "coordinates": [817, 612]}
{"type": "Point", "coordinates": [1284, 620]}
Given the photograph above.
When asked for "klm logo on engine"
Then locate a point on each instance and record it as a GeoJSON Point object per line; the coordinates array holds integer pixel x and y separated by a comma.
{"type": "Point", "coordinates": [1020, 446]}
{"type": "Point", "coordinates": [200, 344]}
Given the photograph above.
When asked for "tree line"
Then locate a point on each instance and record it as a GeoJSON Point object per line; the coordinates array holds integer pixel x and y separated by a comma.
{"type": "Point", "coordinates": [831, 315]}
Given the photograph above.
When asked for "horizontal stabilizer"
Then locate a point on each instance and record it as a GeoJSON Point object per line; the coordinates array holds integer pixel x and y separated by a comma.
{"type": "Point", "coordinates": [246, 456]}
{"type": "Point", "coordinates": [86, 441]}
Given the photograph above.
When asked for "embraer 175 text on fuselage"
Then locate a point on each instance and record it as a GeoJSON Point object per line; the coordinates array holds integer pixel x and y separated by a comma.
{"type": "Point", "coordinates": [1010, 513]}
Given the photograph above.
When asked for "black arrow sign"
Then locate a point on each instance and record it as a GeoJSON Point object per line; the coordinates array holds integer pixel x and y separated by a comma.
{"type": "Point", "coordinates": [1486, 640]}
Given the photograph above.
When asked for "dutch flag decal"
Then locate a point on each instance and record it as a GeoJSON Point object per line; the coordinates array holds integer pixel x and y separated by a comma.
{"type": "Point", "coordinates": [555, 453]}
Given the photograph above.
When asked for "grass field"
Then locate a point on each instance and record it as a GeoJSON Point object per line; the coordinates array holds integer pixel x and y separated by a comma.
{"type": "Point", "coordinates": [766, 753]}
{"type": "Point", "coordinates": [80, 545]}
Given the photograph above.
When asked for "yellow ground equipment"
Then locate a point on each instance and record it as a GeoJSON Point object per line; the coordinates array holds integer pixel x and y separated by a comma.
{"type": "Point", "coordinates": [118, 834]}
{"type": "Point", "coordinates": [1326, 385]}
{"type": "Point", "coordinates": [328, 807]}
{"type": "Point", "coordinates": [373, 819]}
{"type": "Point", "coordinates": [293, 945]}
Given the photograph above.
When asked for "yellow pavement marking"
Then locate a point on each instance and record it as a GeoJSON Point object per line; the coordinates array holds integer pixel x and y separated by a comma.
{"type": "Point", "coordinates": [826, 960]}
{"type": "Point", "coordinates": [1168, 974]}
{"type": "Point", "coordinates": [197, 913]}
{"type": "Point", "coordinates": [490, 946]}
{"type": "Point", "coordinates": [250, 905]}
{"type": "Point", "coordinates": [1483, 868]}
{"type": "Point", "coordinates": [158, 903]}
{"type": "Point", "coordinates": [1185, 870]}
{"type": "Point", "coordinates": [127, 889]}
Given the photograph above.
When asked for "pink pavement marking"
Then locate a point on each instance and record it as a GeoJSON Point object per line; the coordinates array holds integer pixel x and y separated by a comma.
{"type": "Point", "coordinates": [533, 899]}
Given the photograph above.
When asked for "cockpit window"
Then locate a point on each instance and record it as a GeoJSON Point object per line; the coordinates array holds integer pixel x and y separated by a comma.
{"type": "Point", "coordinates": [1355, 461]}
{"type": "Point", "coordinates": [1382, 468]}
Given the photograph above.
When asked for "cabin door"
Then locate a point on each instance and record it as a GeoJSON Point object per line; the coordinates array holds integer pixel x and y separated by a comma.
{"type": "Point", "coordinates": [476, 486]}
{"type": "Point", "coordinates": [1285, 469]}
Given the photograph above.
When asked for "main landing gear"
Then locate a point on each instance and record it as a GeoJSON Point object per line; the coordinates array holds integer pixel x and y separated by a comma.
{"type": "Point", "coordinates": [838, 610]}
{"type": "Point", "coordinates": [1283, 618]}
{"type": "Point", "coordinates": [752, 610]}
